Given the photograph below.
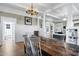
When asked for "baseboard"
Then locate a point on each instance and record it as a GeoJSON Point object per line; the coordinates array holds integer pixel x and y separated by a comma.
{"type": "Point", "coordinates": [20, 42]}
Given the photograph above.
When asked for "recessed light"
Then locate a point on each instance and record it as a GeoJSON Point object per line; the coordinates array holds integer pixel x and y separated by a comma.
{"type": "Point", "coordinates": [64, 19]}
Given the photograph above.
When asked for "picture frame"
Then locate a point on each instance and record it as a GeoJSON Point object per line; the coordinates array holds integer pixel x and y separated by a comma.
{"type": "Point", "coordinates": [27, 20]}
{"type": "Point", "coordinates": [7, 26]}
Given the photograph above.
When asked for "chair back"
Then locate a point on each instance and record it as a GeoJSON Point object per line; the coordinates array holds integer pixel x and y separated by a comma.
{"type": "Point", "coordinates": [33, 47]}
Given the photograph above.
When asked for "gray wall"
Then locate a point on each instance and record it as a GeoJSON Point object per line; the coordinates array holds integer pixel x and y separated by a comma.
{"type": "Point", "coordinates": [21, 29]}
{"type": "Point", "coordinates": [20, 19]}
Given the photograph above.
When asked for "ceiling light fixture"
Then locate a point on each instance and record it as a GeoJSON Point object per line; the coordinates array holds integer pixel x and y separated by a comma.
{"type": "Point", "coordinates": [31, 11]}
{"type": "Point", "coordinates": [64, 19]}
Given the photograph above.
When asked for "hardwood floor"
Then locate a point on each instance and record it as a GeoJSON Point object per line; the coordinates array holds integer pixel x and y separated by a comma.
{"type": "Point", "coordinates": [18, 50]}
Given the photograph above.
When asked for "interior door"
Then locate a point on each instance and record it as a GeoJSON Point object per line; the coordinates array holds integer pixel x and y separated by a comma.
{"type": "Point", "coordinates": [8, 35]}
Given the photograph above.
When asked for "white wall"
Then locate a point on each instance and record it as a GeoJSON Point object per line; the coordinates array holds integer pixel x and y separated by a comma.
{"type": "Point", "coordinates": [77, 26]}
{"type": "Point", "coordinates": [21, 29]}
{"type": "Point", "coordinates": [0, 31]}
{"type": "Point", "coordinates": [58, 27]}
{"type": "Point", "coordinates": [0, 34]}
{"type": "Point", "coordinates": [48, 26]}
{"type": "Point", "coordinates": [47, 33]}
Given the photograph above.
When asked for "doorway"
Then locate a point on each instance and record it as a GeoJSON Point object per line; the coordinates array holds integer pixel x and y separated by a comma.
{"type": "Point", "coordinates": [8, 35]}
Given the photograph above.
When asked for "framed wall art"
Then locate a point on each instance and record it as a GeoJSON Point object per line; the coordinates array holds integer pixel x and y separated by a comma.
{"type": "Point", "coordinates": [27, 20]}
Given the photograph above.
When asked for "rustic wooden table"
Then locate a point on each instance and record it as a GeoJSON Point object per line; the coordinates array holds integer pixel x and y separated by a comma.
{"type": "Point", "coordinates": [56, 48]}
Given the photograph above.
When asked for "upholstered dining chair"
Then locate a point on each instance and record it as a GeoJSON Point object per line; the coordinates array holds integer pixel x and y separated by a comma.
{"type": "Point", "coordinates": [32, 46]}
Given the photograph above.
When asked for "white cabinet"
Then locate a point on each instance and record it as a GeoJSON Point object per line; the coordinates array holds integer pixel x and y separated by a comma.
{"type": "Point", "coordinates": [72, 36]}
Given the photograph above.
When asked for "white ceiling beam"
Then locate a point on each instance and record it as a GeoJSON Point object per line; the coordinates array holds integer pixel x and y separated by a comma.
{"type": "Point", "coordinates": [43, 12]}
{"type": "Point", "coordinates": [58, 6]}
{"type": "Point", "coordinates": [75, 8]}
{"type": "Point", "coordinates": [38, 11]}
{"type": "Point", "coordinates": [51, 15]}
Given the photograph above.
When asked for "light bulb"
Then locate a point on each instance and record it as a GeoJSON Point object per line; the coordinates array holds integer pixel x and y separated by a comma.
{"type": "Point", "coordinates": [64, 19]}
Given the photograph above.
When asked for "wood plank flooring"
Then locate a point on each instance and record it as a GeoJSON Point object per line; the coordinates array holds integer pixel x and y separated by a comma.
{"type": "Point", "coordinates": [18, 50]}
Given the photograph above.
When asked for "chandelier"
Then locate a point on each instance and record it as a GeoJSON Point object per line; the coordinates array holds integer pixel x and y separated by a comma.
{"type": "Point", "coordinates": [31, 11]}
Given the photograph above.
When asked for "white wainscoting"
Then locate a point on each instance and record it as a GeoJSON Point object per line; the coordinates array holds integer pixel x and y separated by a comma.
{"type": "Point", "coordinates": [22, 30]}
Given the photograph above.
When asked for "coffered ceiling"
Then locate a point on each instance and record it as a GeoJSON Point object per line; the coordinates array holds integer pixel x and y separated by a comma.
{"type": "Point", "coordinates": [55, 11]}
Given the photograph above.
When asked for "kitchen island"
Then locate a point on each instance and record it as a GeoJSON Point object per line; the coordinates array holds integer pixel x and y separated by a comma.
{"type": "Point", "coordinates": [60, 37]}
